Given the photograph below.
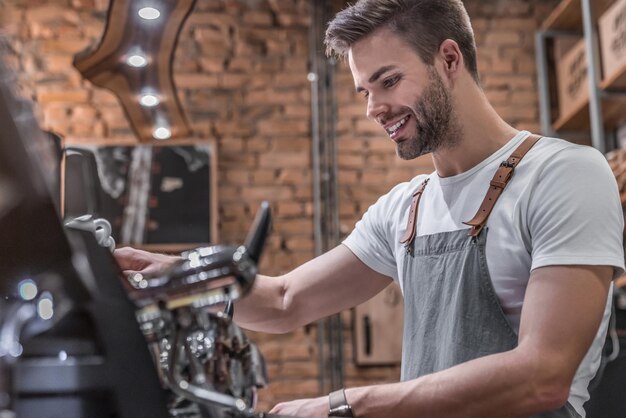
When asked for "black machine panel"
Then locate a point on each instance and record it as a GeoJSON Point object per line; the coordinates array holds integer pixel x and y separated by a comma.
{"type": "Point", "coordinates": [69, 341]}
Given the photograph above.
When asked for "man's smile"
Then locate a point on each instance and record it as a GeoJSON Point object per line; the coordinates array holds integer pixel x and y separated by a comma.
{"type": "Point", "coordinates": [394, 129]}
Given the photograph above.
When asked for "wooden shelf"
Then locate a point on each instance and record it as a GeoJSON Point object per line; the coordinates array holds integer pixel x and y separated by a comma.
{"type": "Point", "coordinates": [616, 81]}
{"type": "Point", "coordinates": [613, 114]}
{"type": "Point", "coordinates": [567, 16]}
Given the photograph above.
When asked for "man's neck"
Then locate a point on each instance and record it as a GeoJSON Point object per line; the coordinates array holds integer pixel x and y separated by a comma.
{"type": "Point", "coordinates": [482, 133]}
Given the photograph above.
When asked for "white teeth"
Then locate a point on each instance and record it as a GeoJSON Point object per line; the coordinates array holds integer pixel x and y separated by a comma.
{"type": "Point", "coordinates": [397, 126]}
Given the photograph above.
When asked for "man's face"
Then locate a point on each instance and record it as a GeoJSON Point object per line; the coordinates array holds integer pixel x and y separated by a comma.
{"type": "Point", "coordinates": [404, 95]}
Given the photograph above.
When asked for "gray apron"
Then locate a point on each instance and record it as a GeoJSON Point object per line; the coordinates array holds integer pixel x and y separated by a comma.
{"type": "Point", "coordinates": [451, 311]}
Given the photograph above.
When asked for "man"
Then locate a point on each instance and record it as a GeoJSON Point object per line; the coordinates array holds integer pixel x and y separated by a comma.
{"type": "Point", "coordinates": [505, 318]}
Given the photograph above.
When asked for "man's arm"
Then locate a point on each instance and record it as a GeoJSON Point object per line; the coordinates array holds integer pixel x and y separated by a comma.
{"type": "Point", "coordinates": [562, 310]}
{"type": "Point", "coordinates": [328, 284]}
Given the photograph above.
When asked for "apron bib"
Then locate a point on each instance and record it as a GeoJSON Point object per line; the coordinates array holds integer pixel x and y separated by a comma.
{"type": "Point", "coordinates": [451, 311]}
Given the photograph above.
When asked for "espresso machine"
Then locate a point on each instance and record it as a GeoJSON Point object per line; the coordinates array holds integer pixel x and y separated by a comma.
{"type": "Point", "coordinates": [77, 339]}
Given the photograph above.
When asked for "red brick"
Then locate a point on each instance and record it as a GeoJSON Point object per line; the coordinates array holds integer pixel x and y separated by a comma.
{"type": "Point", "coordinates": [237, 177]}
{"type": "Point", "coordinates": [296, 244]}
{"type": "Point", "coordinates": [348, 176]}
{"type": "Point", "coordinates": [274, 194]}
{"type": "Point", "coordinates": [523, 24]}
{"type": "Point", "coordinates": [258, 18]}
{"type": "Point", "coordinates": [232, 80]}
{"type": "Point", "coordinates": [83, 4]}
{"type": "Point", "coordinates": [281, 160]}
{"type": "Point", "coordinates": [258, 144]}
{"type": "Point", "coordinates": [83, 113]}
{"type": "Point", "coordinates": [102, 97]}
{"type": "Point", "coordinates": [233, 128]}
{"type": "Point", "coordinates": [382, 144]}
{"type": "Point", "coordinates": [302, 112]}
{"type": "Point", "coordinates": [509, 81]}
{"type": "Point", "coordinates": [502, 66]}
{"type": "Point", "coordinates": [284, 127]}
{"type": "Point", "coordinates": [503, 37]}
{"type": "Point", "coordinates": [212, 64]}
{"type": "Point", "coordinates": [62, 96]}
{"type": "Point", "coordinates": [289, 20]}
{"type": "Point", "coordinates": [266, 96]}
{"type": "Point", "coordinates": [294, 227]}
{"type": "Point", "coordinates": [55, 112]}
{"type": "Point", "coordinates": [287, 209]}
{"type": "Point", "coordinates": [70, 46]}
{"type": "Point", "coordinates": [264, 176]}
{"type": "Point", "coordinates": [83, 129]}
{"type": "Point", "coordinates": [300, 176]}
{"type": "Point", "coordinates": [350, 161]}
{"type": "Point", "coordinates": [291, 79]}
{"type": "Point", "coordinates": [195, 81]}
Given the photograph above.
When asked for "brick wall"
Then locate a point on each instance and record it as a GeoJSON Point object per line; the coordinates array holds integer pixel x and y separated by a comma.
{"type": "Point", "coordinates": [241, 70]}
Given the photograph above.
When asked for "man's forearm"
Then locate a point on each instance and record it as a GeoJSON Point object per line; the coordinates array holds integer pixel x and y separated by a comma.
{"type": "Point", "coordinates": [508, 384]}
{"type": "Point", "coordinates": [264, 308]}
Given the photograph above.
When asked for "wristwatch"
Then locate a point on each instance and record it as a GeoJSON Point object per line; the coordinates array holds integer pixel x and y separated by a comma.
{"type": "Point", "coordinates": [338, 405]}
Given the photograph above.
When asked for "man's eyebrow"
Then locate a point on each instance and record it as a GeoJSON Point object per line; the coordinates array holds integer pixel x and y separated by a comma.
{"type": "Point", "coordinates": [376, 75]}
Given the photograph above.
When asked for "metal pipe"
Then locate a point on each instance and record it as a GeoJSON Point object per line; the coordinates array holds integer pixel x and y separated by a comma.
{"type": "Point", "coordinates": [593, 67]}
{"type": "Point", "coordinates": [331, 202]}
{"type": "Point", "coordinates": [313, 78]}
{"type": "Point", "coordinates": [541, 57]}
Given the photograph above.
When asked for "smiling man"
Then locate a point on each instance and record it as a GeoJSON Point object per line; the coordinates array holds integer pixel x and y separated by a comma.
{"type": "Point", "coordinates": [504, 254]}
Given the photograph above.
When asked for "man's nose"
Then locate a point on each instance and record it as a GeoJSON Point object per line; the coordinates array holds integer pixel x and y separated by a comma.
{"type": "Point", "coordinates": [376, 108]}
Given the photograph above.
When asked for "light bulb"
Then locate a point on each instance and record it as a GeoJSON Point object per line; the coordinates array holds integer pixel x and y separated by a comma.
{"type": "Point", "coordinates": [45, 308]}
{"type": "Point", "coordinates": [149, 13]}
{"type": "Point", "coordinates": [149, 100]}
{"type": "Point", "coordinates": [137, 61]}
{"type": "Point", "coordinates": [27, 289]}
{"type": "Point", "coordinates": [162, 133]}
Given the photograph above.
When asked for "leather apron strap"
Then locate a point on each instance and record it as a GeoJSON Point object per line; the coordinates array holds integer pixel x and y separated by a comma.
{"type": "Point", "coordinates": [498, 183]}
{"type": "Point", "coordinates": [409, 234]}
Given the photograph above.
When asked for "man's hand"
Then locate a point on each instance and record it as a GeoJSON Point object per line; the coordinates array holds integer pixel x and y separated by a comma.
{"type": "Point", "coordinates": [303, 408]}
{"type": "Point", "coordinates": [132, 260]}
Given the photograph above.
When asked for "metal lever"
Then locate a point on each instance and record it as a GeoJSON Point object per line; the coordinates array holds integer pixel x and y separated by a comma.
{"type": "Point", "coordinates": [229, 310]}
{"type": "Point", "coordinates": [259, 232]}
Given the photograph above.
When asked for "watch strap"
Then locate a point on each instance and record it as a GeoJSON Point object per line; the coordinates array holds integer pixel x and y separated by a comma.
{"type": "Point", "coordinates": [338, 405]}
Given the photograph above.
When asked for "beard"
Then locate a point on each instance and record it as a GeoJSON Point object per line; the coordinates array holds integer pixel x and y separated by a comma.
{"type": "Point", "coordinates": [436, 124]}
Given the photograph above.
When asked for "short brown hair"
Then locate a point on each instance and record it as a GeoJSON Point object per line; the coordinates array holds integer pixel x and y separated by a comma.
{"type": "Point", "coordinates": [423, 24]}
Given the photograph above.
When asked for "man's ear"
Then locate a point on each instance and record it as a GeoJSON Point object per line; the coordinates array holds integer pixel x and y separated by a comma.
{"type": "Point", "coordinates": [452, 58]}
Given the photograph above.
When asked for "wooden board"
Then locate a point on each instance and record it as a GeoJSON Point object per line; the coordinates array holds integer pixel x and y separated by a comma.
{"type": "Point", "coordinates": [568, 15]}
{"type": "Point", "coordinates": [378, 327]}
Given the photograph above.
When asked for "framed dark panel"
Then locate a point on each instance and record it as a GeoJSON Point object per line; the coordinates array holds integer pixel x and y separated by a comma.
{"type": "Point", "coordinates": [158, 197]}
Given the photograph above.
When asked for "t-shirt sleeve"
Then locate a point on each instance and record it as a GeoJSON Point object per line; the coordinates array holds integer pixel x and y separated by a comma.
{"type": "Point", "coordinates": [372, 238]}
{"type": "Point", "coordinates": [575, 215]}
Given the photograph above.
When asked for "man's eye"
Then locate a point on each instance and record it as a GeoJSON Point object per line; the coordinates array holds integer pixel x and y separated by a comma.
{"type": "Point", "coordinates": [366, 94]}
{"type": "Point", "coordinates": [391, 81]}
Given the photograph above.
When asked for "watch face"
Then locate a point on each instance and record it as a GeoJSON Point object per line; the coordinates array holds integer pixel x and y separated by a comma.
{"type": "Point", "coordinates": [341, 411]}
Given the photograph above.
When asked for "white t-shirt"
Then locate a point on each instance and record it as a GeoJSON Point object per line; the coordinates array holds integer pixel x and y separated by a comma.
{"type": "Point", "coordinates": [561, 207]}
